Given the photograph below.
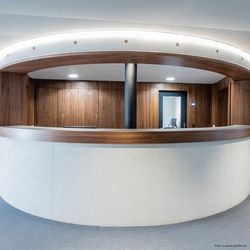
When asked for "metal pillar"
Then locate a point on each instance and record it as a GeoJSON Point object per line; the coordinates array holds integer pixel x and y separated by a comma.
{"type": "Point", "coordinates": [130, 95]}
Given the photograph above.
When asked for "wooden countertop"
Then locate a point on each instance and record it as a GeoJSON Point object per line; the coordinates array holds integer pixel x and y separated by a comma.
{"type": "Point", "coordinates": [124, 136]}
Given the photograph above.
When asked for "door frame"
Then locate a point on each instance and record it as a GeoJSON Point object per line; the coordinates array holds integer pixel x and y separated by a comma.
{"type": "Point", "coordinates": [183, 95]}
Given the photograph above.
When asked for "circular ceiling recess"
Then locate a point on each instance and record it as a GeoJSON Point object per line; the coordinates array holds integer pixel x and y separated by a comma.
{"type": "Point", "coordinates": [122, 47]}
{"type": "Point", "coordinates": [115, 73]}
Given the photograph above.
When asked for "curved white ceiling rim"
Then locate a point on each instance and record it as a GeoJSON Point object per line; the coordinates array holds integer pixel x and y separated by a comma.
{"type": "Point", "coordinates": [101, 41]}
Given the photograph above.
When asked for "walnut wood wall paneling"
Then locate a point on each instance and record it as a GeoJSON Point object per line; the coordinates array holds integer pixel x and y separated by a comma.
{"type": "Point", "coordinates": [148, 103]}
{"type": "Point", "coordinates": [14, 99]}
{"type": "Point", "coordinates": [221, 102]}
{"type": "Point", "coordinates": [65, 103]}
{"type": "Point", "coordinates": [111, 105]}
{"type": "Point", "coordinates": [77, 103]}
{"type": "Point", "coordinates": [222, 106]}
{"type": "Point", "coordinates": [240, 105]}
{"type": "Point", "coordinates": [101, 104]}
{"type": "Point", "coordinates": [30, 101]}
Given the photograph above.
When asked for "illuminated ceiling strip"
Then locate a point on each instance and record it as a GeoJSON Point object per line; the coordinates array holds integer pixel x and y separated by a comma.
{"type": "Point", "coordinates": [142, 35]}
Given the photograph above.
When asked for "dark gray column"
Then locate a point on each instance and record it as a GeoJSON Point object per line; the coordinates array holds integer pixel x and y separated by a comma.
{"type": "Point", "coordinates": [130, 95]}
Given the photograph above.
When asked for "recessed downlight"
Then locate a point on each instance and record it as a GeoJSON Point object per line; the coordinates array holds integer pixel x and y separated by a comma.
{"type": "Point", "coordinates": [73, 76]}
{"type": "Point", "coordinates": [170, 79]}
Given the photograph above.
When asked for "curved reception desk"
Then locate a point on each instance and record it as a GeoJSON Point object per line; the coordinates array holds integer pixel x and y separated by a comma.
{"type": "Point", "coordinates": [119, 177]}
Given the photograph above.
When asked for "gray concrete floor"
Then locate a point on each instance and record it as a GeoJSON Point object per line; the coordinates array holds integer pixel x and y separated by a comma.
{"type": "Point", "coordinates": [20, 231]}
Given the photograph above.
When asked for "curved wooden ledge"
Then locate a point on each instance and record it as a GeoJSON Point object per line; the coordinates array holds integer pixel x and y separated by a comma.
{"type": "Point", "coordinates": [234, 71]}
{"type": "Point", "coordinates": [125, 136]}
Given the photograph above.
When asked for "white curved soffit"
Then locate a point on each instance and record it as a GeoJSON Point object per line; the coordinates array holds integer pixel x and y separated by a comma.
{"type": "Point", "coordinates": [90, 41]}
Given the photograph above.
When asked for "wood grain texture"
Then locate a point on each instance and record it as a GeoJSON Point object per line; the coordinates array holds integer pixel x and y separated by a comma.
{"type": "Point", "coordinates": [125, 136]}
{"type": "Point", "coordinates": [221, 99]}
{"type": "Point", "coordinates": [240, 108]}
{"type": "Point", "coordinates": [230, 102]}
{"type": "Point", "coordinates": [232, 70]}
{"type": "Point", "coordinates": [101, 104]}
{"type": "Point", "coordinates": [148, 103]}
{"type": "Point", "coordinates": [78, 103]}
{"type": "Point", "coordinates": [24, 101]}
{"type": "Point", "coordinates": [14, 99]}
{"type": "Point", "coordinates": [222, 107]}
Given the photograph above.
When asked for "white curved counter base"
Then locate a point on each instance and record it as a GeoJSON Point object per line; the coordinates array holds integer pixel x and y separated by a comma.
{"type": "Point", "coordinates": [124, 185]}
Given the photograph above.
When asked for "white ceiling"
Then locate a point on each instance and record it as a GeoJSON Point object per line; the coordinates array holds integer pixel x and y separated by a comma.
{"type": "Point", "coordinates": [227, 21]}
{"type": "Point", "coordinates": [115, 72]}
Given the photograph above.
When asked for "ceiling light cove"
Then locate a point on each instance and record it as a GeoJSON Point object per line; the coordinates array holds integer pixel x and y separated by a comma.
{"type": "Point", "coordinates": [113, 41]}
